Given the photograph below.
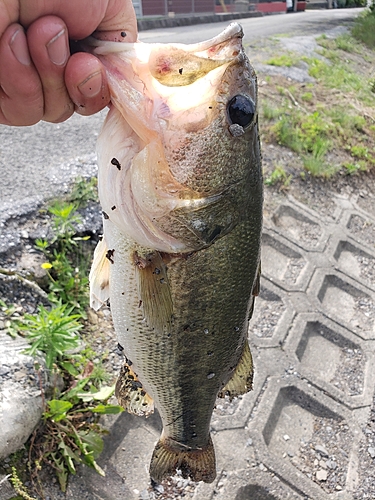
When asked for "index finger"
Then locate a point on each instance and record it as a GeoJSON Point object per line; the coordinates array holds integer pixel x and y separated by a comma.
{"type": "Point", "coordinates": [9, 14]}
{"type": "Point", "coordinates": [83, 17]}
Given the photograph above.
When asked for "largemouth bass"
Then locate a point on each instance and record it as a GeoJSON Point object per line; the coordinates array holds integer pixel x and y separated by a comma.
{"type": "Point", "coordinates": [181, 192]}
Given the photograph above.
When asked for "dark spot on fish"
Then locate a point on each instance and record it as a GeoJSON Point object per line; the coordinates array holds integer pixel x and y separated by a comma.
{"type": "Point", "coordinates": [143, 393]}
{"type": "Point", "coordinates": [116, 163]}
{"type": "Point", "coordinates": [109, 256]}
{"type": "Point", "coordinates": [180, 71]}
{"type": "Point", "coordinates": [144, 404]}
{"type": "Point", "coordinates": [122, 293]}
{"type": "Point", "coordinates": [119, 346]}
{"type": "Point", "coordinates": [128, 362]}
{"type": "Point", "coordinates": [241, 110]}
{"type": "Point", "coordinates": [106, 216]}
{"type": "Point", "coordinates": [209, 107]}
{"type": "Point", "coordinates": [131, 377]}
{"type": "Point", "coordinates": [137, 398]}
{"type": "Point", "coordinates": [157, 271]}
{"type": "Point", "coordinates": [169, 335]}
{"type": "Point", "coordinates": [236, 329]}
{"type": "Point", "coordinates": [162, 280]}
{"type": "Point", "coordinates": [210, 353]}
{"type": "Point", "coordinates": [123, 34]}
{"type": "Point", "coordinates": [100, 237]}
{"type": "Point", "coordinates": [114, 207]}
{"type": "Point", "coordinates": [140, 303]}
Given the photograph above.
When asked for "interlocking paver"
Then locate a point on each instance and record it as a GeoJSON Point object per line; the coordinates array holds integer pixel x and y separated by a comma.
{"type": "Point", "coordinates": [298, 433]}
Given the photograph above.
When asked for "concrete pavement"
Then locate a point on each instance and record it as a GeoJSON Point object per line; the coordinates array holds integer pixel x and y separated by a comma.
{"type": "Point", "coordinates": [299, 433]}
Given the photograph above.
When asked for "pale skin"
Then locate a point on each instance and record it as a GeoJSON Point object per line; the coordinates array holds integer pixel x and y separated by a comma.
{"type": "Point", "coordinates": [39, 78]}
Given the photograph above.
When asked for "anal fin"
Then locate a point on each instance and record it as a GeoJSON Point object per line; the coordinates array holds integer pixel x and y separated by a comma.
{"type": "Point", "coordinates": [131, 395]}
{"type": "Point", "coordinates": [169, 455]}
{"type": "Point", "coordinates": [241, 381]}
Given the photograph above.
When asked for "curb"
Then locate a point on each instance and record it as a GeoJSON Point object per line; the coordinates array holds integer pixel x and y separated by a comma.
{"type": "Point", "coordinates": [171, 22]}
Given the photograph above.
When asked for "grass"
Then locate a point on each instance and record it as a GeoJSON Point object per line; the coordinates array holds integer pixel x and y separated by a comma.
{"type": "Point", "coordinates": [286, 60]}
{"type": "Point", "coordinates": [364, 28]}
{"type": "Point", "coordinates": [331, 118]}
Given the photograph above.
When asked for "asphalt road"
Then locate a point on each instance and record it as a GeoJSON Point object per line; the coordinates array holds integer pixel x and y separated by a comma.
{"type": "Point", "coordinates": [38, 162]}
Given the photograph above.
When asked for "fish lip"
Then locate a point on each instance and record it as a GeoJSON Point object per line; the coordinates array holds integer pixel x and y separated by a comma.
{"type": "Point", "coordinates": [234, 30]}
{"type": "Point", "coordinates": [101, 47]}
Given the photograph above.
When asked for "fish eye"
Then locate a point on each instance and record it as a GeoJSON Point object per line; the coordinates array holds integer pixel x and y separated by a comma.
{"type": "Point", "coordinates": [241, 110]}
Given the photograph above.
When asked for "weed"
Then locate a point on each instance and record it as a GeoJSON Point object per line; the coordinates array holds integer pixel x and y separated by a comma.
{"type": "Point", "coordinates": [269, 112]}
{"type": "Point", "coordinates": [364, 28]}
{"type": "Point", "coordinates": [318, 167]}
{"type": "Point", "coordinates": [83, 191]}
{"type": "Point", "coordinates": [360, 152]}
{"type": "Point", "coordinates": [287, 60]}
{"type": "Point", "coordinates": [71, 434]}
{"type": "Point", "coordinates": [67, 263]}
{"type": "Point", "coordinates": [307, 96]}
{"type": "Point", "coordinates": [52, 332]}
{"type": "Point", "coordinates": [278, 176]}
{"type": "Point", "coordinates": [19, 486]}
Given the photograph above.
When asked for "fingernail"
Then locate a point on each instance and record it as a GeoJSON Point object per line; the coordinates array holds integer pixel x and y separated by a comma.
{"type": "Point", "coordinates": [19, 47]}
{"type": "Point", "coordinates": [92, 85]}
{"type": "Point", "coordinates": [57, 48]}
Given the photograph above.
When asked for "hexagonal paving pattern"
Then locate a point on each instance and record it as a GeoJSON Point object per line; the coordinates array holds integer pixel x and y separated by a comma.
{"type": "Point", "coordinates": [297, 435]}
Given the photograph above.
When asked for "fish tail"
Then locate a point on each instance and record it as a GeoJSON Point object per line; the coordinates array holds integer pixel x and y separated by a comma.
{"type": "Point", "coordinates": [198, 464]}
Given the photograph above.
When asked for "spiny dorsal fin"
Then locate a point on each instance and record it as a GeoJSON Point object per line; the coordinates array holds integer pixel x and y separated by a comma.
{"type": "Point", "coordinates": [131, 395]}
{"type": "Point", "coordinates": [242, 378]}
{"type": "Point", "coordinates": [99, 276]}
{"type": "Point", "coordinates": [154, 290]}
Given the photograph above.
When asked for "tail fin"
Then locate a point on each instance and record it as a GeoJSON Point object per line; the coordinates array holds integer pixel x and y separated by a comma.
{"type": "Point", "coordinates": [198, 464]}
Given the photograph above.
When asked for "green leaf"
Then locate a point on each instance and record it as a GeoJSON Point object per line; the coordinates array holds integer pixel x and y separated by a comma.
{"type": "Point", "coordinates": [74, 392]}
{"type": "Point", "coordinates": [104, 393]}
{"type": "Point", "coordinates": [69, 456]}
{"type": "Point", "coordinates": [70, 368]}
{"type": "Point", "coordinates": [107, 409]}
{"type": "Point", "coordinates": [61, 471]}
{"type": "Point", "coordinates": [58, 409]}
{"type": "Point", "coordinates": [93, 440]}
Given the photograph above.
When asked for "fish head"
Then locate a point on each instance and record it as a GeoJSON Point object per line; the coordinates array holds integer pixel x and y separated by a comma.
{"type": "Point", "coordinates": [183, 125]}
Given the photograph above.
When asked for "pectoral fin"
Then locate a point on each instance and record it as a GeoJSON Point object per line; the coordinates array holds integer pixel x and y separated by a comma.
{"type": "Point", "coordinates": [99, 276]}
{"type": "Point", "coordinates": [242, 378]}
{"type": "Point", "coordinates": [154, 290]}
{"type": "Point", "coordinates": [131, 395]}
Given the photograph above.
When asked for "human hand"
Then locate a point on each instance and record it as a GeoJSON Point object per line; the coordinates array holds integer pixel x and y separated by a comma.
{"type": "Point", "coordinates": [39, 79]}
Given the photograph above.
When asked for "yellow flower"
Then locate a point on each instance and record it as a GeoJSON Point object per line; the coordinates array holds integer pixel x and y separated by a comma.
{"type": "Point", "coordinates": [46, 265]}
